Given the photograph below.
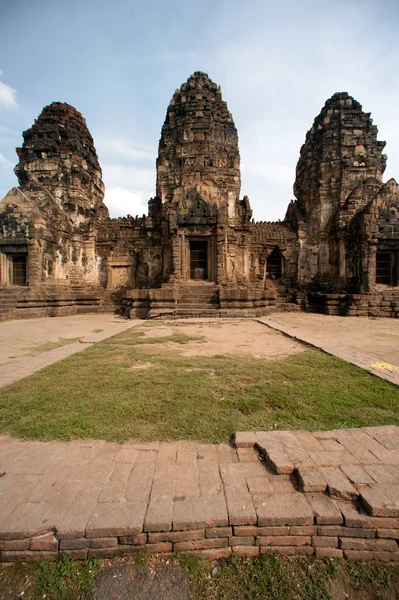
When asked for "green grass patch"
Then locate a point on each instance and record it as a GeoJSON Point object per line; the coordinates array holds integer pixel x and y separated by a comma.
{"type": "Point", "coordinates": [62, 580]}
{"type": "Point", "coordinates": [268, 577]}
{"type": "Point", "coordinates": [99, 394]}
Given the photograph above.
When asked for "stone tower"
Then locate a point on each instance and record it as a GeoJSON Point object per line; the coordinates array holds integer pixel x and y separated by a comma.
{"type": "Point", "coordinates": [198, 150]}
{"type": "Point", "coordinates": [198, 186]}
{"type": "Point", "coordinates": [60, 197]}
{"type": "Point", "coordinates": [341, 151]}
{"type": "Point", "coordinates": [58, 156]}
{"type": "Point", "coordinates": [339, 170]}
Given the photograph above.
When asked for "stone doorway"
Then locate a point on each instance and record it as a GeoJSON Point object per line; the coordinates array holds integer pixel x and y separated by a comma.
{"type": "Point", "coordinates": [18, 270]}
{"type": "Point", "coordinates": [387, 267]}
{"type": "Point", "coordinates": [198, 260]}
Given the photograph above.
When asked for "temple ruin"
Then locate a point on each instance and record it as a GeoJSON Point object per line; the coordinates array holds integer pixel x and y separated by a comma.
{"type": "Point", "coordinates": [199, 252]}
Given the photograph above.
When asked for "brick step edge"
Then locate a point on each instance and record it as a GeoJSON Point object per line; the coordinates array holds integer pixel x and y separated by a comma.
{"type": "Point", "coordinates": [212, 542]}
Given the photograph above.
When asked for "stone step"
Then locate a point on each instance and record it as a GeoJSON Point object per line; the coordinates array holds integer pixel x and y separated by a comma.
{"type": "Point", "coordinates": [198, 306]}
{"type": "Point", "coordinates": [197, 301]}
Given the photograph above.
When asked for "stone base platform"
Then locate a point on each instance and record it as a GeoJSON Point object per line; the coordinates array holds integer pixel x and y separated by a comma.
{"type": "Point", "coordinates": [332, 494]}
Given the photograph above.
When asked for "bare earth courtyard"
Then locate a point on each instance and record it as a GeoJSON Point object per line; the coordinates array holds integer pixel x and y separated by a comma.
{"type": "Point", "coordinates": [377, 338]}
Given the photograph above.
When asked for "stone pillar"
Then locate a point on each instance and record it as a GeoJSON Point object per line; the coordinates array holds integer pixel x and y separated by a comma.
{"type": "Point", "coordinates": [342, 263]}
{"type": "Point", "coordinates": [34, 265]}
{"type": "Point", "coordinates": [368, 267]}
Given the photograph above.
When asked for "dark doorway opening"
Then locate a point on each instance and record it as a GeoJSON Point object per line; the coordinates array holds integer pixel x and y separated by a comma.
{"type": "Point", "coordinates": [18, 270]}
{"type": "Point", "coordinates": [386, 270]}
{"type": "Point", "coordinates": [198, 260]}
{"type": "Point", "coordinates": [274, 264]}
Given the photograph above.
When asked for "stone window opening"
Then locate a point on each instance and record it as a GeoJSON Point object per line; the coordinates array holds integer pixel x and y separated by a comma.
{"type": "Point", "coordinates": [387, 267]}
{"type": "Point", "coordinates": [274, 264]}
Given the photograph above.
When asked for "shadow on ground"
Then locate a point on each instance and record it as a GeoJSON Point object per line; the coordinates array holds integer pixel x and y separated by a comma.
{"type": "Point", "coordinates": [125, 582]}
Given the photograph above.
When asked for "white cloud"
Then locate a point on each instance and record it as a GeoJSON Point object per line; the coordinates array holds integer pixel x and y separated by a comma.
{"type": "Point", "coordinates": [122, 202]}
{"type": "Point", "coordinates": [128, 189]}
{"type": "Point", "coordinates": [125, 147]}
{"type": "Point", "coordinates": [4, 162]}
{"type": "Point", "coordinates": [7, 96]}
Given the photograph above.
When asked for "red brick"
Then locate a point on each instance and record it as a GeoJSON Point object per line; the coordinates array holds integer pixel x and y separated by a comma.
{"type": "Point", "coordinates": [287, 550]}
{"type": "Point", "coordinates": [346, 532]}
{"type": "Point", "coordinates": [124, 550]}
{"type": "Point", "coordinates": [381, 500]}
{"type": "Point", "coordinates": [27, 556]}
{"type": "Point", "coordinates": [103, 542]}
{"type": "Point", "coordinates": [213, 554]}
{"type": "Point", "coordinates": [133, 540]}
{"type": "Point", "coordinates": [284, 540]}
{"type": "Point", "coordinates": [245, 439]}
{"type": "Point", "coordinates": [202, 544]}
{"type": "Point", "coordinates": [353, 517]}
{"type": "Point", "coordinates": [15, 544]}
{"type": "Point", "coordinates": [324, 542]}
{"type": "Point", "coordinates": [388, 533]}
{"type": "Point", "coordinates": [385, 522]}
{"type": "Point", "coordinates": [155, 538]}
{"type": "Point", "coordinates": [77, 544]}
{"type": "Point", "coordinates": [325, 509]}
{"type": "Point", "coordinates": [371, 555]}
{"type": "Point", "coordinates": [46, 543]}
{"type": "Point", "coordinates": [249, 530]}
{"type": "Point", "coordinates": [338, 484]}
{"type": "Point", "coordinates": [328, 553]}
{"type": "Point", "coordinates": [241, 541]}
{"type": "Point", "coordinates": [288, 509]}
{"type": "Point", "coordinates": [158, 548]}
{"type": "Point", "coordinates": [186, 536]}
{"type": "Point", "coordinates": [298, 530]}
{"type": "Point", "coordinates": [311, 479]}
{"type": "Point", "coordinates": [358, 544]}
{"type": "Point", "coordinates": [219, 532]}
{"type": "Point", "coordinates": [245, 550]}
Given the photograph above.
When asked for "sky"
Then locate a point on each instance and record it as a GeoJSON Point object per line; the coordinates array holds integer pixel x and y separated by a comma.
{"type": "Point", "coordinates": [119, 62]}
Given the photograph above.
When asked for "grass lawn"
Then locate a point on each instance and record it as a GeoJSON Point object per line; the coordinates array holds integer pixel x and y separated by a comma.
{"type": "Point", "coordinates": [135, 386]}
{"type": "Point", "coordinates": [269, 576]}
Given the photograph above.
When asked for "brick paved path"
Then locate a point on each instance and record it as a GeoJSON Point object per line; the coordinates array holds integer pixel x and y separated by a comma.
{"type": "Point", "coordinates": [27, 366]}
{"type": "Point", "coordinates": [326, 493]}
{"type": "Point", "coordinates": [335, 335]}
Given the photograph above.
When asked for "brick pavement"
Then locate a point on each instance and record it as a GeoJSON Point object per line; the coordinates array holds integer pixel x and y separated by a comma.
{"type": "Point", "coordinates": [9, 373]}
{"type": "Point", "coordinates": [331, 494]}
{"type": "Point", "coordinates": [334, 335]}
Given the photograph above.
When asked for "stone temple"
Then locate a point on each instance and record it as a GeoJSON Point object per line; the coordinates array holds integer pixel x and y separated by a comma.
{"type": "Point", "coordinates": [199, 252]}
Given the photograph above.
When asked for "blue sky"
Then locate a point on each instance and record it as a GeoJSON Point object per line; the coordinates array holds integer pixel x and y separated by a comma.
{"type": "Point", "coordinates": [120, 62]}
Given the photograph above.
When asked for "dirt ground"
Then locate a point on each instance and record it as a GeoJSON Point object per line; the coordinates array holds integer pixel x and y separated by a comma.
{"type": "Point", "coordinates": [243, 337]}
{"type": "Point", "coordinates": [139, 582]}
{"type": "Point", "coordinates": [378, 338]}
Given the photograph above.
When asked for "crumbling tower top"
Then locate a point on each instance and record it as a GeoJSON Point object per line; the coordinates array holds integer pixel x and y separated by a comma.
{"type": "Point", "coordinates": [198, 150]}
{"type": "Point", "coordinates": [58, 155]}
{"type": "Point", "coordinates": [341, 150]}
